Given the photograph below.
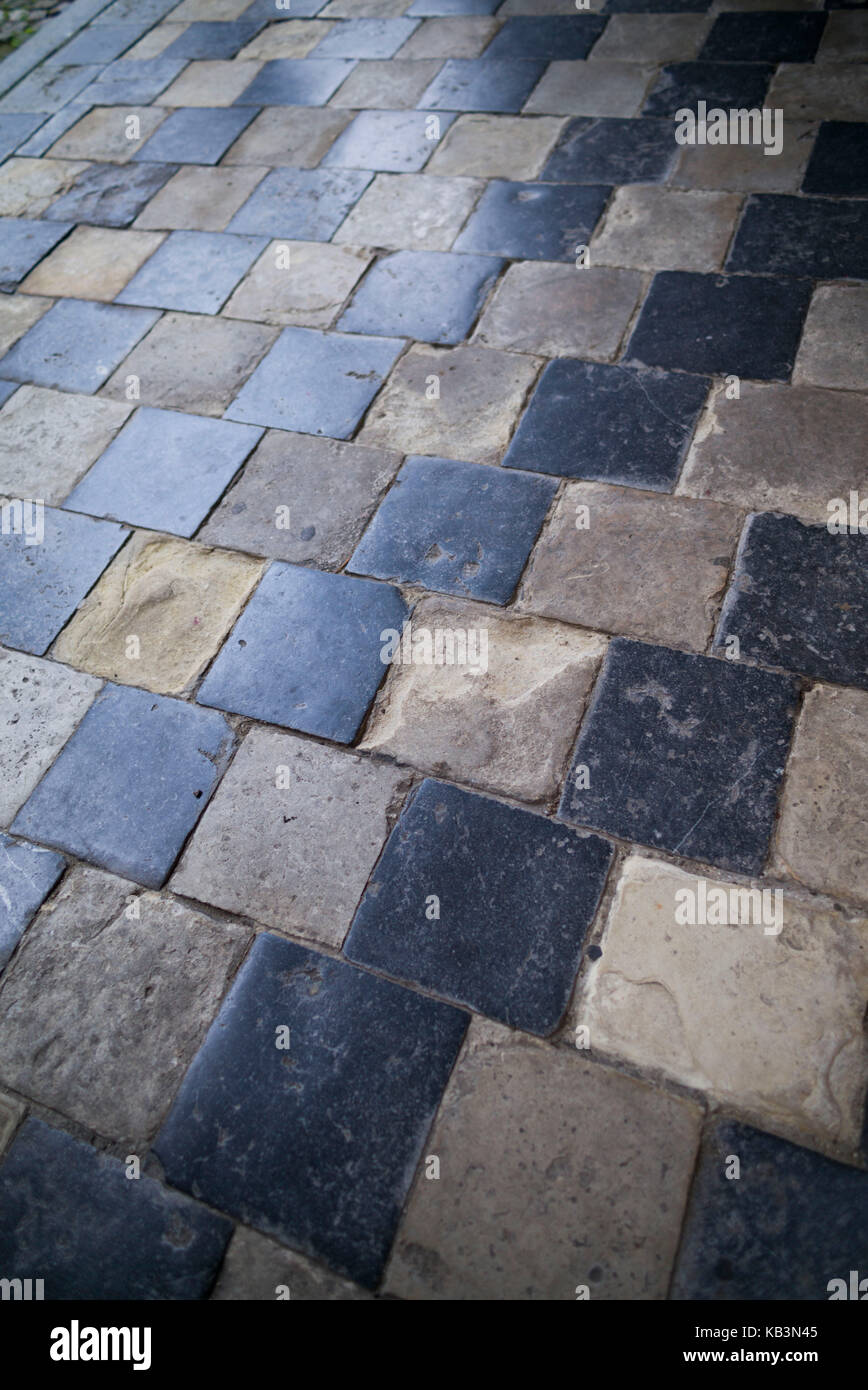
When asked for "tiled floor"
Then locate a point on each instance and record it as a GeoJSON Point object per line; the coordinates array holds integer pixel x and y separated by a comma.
{"type": "Point", "coordinates": [434, 652]}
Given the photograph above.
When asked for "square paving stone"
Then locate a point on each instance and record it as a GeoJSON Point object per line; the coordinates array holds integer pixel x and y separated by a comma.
{"type": "Point", "coordinates": [817, 237]}
{"type": "Point", "coordinates": [366, 38]}
{"type": "Point", "coordinates": [296, 82]}
{"type": "Point", "coordinates": [553, 309]}
{"type": "Point", "coordinates": [515, 896]}
{"type": "Point", "coordinates": [18, 312]}
{"type": "Point", "coordinates": [834, 347]}
{"type": "Point", "coordinates": [307, 292]}
{"type": "Point", "coordinates": [213, 40]}
{"type": "Point", "coordinates": [482, 84]}
{"type": "Point", "coordinates": [43, 580]}
{"type": "Point", "coordinates": [127, 82]}
{"type": "Point", "coordinates": [415, 211]}
{"type": "Point", "coordinates": [458, 36]}
{"type": "Point", "coordinates": [24, 243]}
{"type": "Point", "coordinates": [48, 439]}
{"type": "Point", "coordinates": [763, 38]}
{"type": "Point", "coordinates": [110, 195]}
{"type": "Point", "coordinates": [327, 1170]}
{"type": "Point", "coordinates": [101, 134]}
{"type": "Point", "coordinates": [48, 89]}
{"type": "Point", "coordinates": [130, 784]}
{"type": "Point", "coordinates": [290, 38]}
{"type": "Point", "coordinates": [647, 38]}
{"type": "Point", "coordinates": [15, 127]}
{"type": "Point", "coordinates": [76, 344]}
{"type": "Point", "coordinates": [390, 84]}
{"type": "Point", "coordinates": [89, 973]}
{"type": "Point", "coordinates": [306, 652]}
{"type": "Point", "coordinates": [71, 1217]}
{"type": "Point", "coordinates": [165, 470]}
{"type": "Point", "coordinates": [305, 204]}
{"type": "Point", "coordinates": [316, 383]}
{"type": "Point", "coordinates": [505, 147]}
{"type": "Point", "coordinates": [450, 7]}
{"type": "Point", "coordinates": [27, 875]}
{"type": "Point", "coordinates": [255, 1265]}
{"type": "Point", "coordinates": [556, 36]}
{"type": "Point", "coordinates": [653, 228]}
{"type": "Point", "coordinates": [141, 12]}
{"type": "Point", "coordinates": [455, 528]}
{"type": "Point", "coordinates": [792, 1223]}
{"type": "Point", "coordinates": [799, 599]}
{"type": "Point", "coordinates": [40, 704]}
{"type": "Point", "coordinates": [29, 186]}
{"type": "Point", "coordinates": [748, 325]}
{"type": "Point", "coordinates": [95, 45]}
{"type": "Point", "coordinates": [822, 92]}
{"type": "Point", "coordinates": [591, 89]}
{"type": "Point", "coordinates": [92, 263]}
{"type": "Point", "coordinates": [200, 198]}
{"type": "Point", "coordinates": [612, 151]}
{"type": "Point", "coordinates": [684, 753]}
{"type": "Point", "coordinates": [326, 490]}
{"type": "Point", "coordinates": [297, 136]}
{"type": "Point", "coordinates": [839, 160]}
{"type": "Point", "coordinates": [198, 135]}
{"type": "Point", "coordinates": [292, 835]}
{"type": "Point", "coordinates": [533, 221]}
{"type": "Point", "coordinates": [609, 423]}
{"type": "Point", "coordinates": [209, 82]}
{"type": "Point", "coordinates": [431, 296]}
{"type": "Point", "coordinates": [393, 141]}
{"type": "Point", "coordinates": [683, 85]}
{"type": "Point", "coordinates": [193, 271]}
{"type": "Point", "coordinates": [746, 168]}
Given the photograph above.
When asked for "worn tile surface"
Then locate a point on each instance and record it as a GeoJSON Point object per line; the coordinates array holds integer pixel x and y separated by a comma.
{"type": "Point", "coordinates": [49, 439]}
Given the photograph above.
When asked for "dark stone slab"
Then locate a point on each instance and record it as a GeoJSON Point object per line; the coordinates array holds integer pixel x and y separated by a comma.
{"type": "Point", "coordinates": [365, 38]}
{"type": "Point", "coordinates": [144, 13]}
{"type": "Point", "coordinates": [533, 221]}
{"type": "Point", "coordinates": [196, 135]}
{"type": "Point", "coordinates": [549, 37]}
{"type": "Point", "coordinates": [393, 141]}
{"type": "Point", "coordinates": [133, 82]}
{"type": "Point", "coordinates": [431, 296]}
{"type": "Point", "coordinates": [772, 37]}
{"type": "Point", "coordinates": [315, 1144]}
{"type": "Point", "coordinates": [684, 753]}
{"type": "Point", "coordinates": [658, 6]}
{"type": "Point", "coordinates": [193, 271]}
{"type": "Point", "coordinates": [426, 8]}
{"type": "Point", "coordinates": [818, 237]}
{"type": "Point", "coordinates": [301, 204]}
{"type": "Point", "coordinates": [96, 45]}
{"type": "Point", "coordinates": [110, 195]}
{"type": "Point", "coordinates": [839, 160]}
{"type": "Point", "coordinates": [296, 82]}
{"type": "Point", "coordinates": [612, 150]}
{"type": "Point", "coordinates": [203, 40]}
{"type": "Point", "coordinates": [76, 345]}
{"type": "Point", "coordinates": [27, 876]}
{"type": "Point", "coordinates": [23, 243]}
{"type": "Point", "coordinates": [482, 84]}
{"type": "Point", "coordinates": [717, 84]}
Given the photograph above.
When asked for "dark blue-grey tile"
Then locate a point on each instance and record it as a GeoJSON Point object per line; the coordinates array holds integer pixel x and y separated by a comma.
{"type": "Point", "coordinates": [133, 82]}
{"type": "Point", "coordinates": [838, 166]}
{"type": "Point", "coordinates": [301, 204]}
{"type": "Point", "coordinates": [306, 652]}
{"type": "Point", "coordinates": [779, 234]}
{"type": "Point", "coordinates": [392, 141]}
{"type": "Point", "coordinates": [611, 150]}
{"type": "Point", "coordinates": [130, 784]}
{"type": "Point", "coordinates": [316, 1144]}
{"type": "Point", "coordinates": [479, 84]}
{"type": "Point", "coordinates": [315, 383]}
{"type": "Point", "coordinates": [684, 85]}
{"type": "Point", "coordinates": [266, 10]}
{"type": "Point", "coordinates": [609, 423]}
{"type": "Point", "coordinates": [23, 243]}
{"type": "Point", "coordinates": [549, 37]}
{"type": "Point", "coordinates": [164, 470]}
{"type": "Point", "coordinates": [44, 577]}
{"type": "Point", "coordinates": [657, 6]}
{"type": "Point", "coordinates": [455, 528]}
{"type": "Point", "coordinates": [296, 82]}
{"type": "Point", "coordinates": [15, 127]}
{"type": "Point", "coordinates": [76, 345]}
{"type": "Point", "coordinates": [47, 89]}
{"type": "Point", "coordinates": [143, 13]}
{"type": "Point", "coordinates": [426, 8]}
{"type": "Point", "coordinates": [196, 135]}
{"type": "Point", "coordinates": [204, 39]}
{"type": "Point", "coordinates": [365, 38]}
{"type": "Point", "coordinates": [515, 894]}
{"type": "Point", "coordinates": [71, 1216]}
{"type": "Point", "coordinates": [683, 753]}
{"type": "Point", "coordinates": [110, 195]}
{"type": "Point", "coordinates": [193, 271]}
{"type": "Point", "coordinates": [763, 38]}
{"type": "Point", "coordinates": [431, 296]}
{"type": "Point", "coordinates": [101, 44]}
{"type": "Point", "coordinates": [27, 876]}
{"type": "Point", "coordinates": [533, 221]}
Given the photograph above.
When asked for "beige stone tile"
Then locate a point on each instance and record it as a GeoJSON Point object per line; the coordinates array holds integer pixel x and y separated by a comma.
{"type": "Point", "coordinates": [29, 186]}
{"type": "Point", "coordinates": [807, 92]}
{"type": "Point", "coordinates": [414, 211]}
{"type": "Point", "coordinates": [654, 228]}
{"type": "Point", "coordinates": [845, 38]}
{"type": "Point", "coordinates": [255, 1268]}
{"type": "Point", "coordinates": [364, 9]}
{"type": "Point", "coordinates": [587, 88]}
{"type": "Point", "coordinates": [18, 312]}
{"type": "Point", "coordinates": [156, 41]}
{"type": "Point", "coordinates": [555, 1173]}
{"type": "Point", "coordinates": [92, 263]}
{"type": "Point", "coordinates": [310, 292]}
{"type": "Point", "coordinates": [207, 82]}
{"type": "Point", "coordinates": [746, 168]}
{"type": "Point", "coordinates": [388, 85]}
{"type": "Point", "coordinates": [200, 199]}
{"type": "Point", "coordinates": [297, 136]}
{"type": "Point", "coordinates": [462, 36]}
{"type": "Point", "coordinates": [834, 347]}
{"type": "Point", "coordinates": [11, 1115]}
{"type": "Point", "coordinates": [651, 38]}
{"type": "Point", "coordinates": [102, 135]}
{"type": "Point", "coordinates": [190, 10]}
{"type": "Point", "coordinates": [481, 394]}
{"type": "Point", "coordinates": [557, 310]}
{"type": "Point", "coordinates": [763, 1010]}
{"type": "Point", "coordinates": [293, 38]}
{"type": "Point", "coordinates": [496, 147]}
{"type": "Point", "coordinates": [49, 439]}
{"type": "Point", "coordinates": [822, 838]}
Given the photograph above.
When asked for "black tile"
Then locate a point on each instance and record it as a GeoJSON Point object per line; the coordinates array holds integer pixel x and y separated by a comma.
{"type": "Point", "coordinates": [781, 234]}
{"type": "Point", "coordinates": [783, 1230]}
{"type": "Point", "coordinates": [725, 324]}
{"type": "Point", "coordinates": [799, 599]}
{"type": "Point", "coordinates": [315, 1144]}
{"type": "Point", "coordinates": [683, 753]}
{"type": "Point", "coordinates": [657, 6]}
{"type": "Point", "coordinates": [214, 40]}
{"type": "Point", "coordinates": [611, 424]}
{"type": "Point", "coordinates": [839, 160]}
{"type": "Point", "coordinates": [553, 36]}
{"type": "Point", "coordinates": [480, 84]}
{"type": "Point", "coordinates": [717, 84]}
{"type": "Point", "coordinates": [533, 221]}
{"type": "Point", "coordinates": [72, 1217]}
{"type": "Point", "coordinates": [771, 37]}
{"type": "Point", "coordinates": [612, 150]}
{"type": "Point", "coordinates": [515, 895]}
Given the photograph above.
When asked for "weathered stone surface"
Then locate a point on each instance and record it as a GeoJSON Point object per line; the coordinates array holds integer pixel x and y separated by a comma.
{"type": "Point", "coordinates": [464, 36]}
{"type": "Point", "coordinates": [389, 141]}
{"type": "Point", "coordinates": [49, 439]}
{"type": "Point", "coordinates": [27, 875]}
{"type": "Point", "coordinates": [92, 263]}
{"type": "Point", "coordinates": [291, 135]}
{"type": "Point", "coordinates": [822, 839]}
{"type": "Point", "coordinates": [526, 1128]}
{"type": "Point", "coordinates": [76, 344]}
{"type": "Point", "coordinates": [533, 221]}
{"type": "Point", "coordinates": [102, 134]}
{"type": "Point", "coordinates": [200, 198]}
{"type": "Point", "coordinates": [747, 168]}
{"type": "Point", "coordinates": [295, 82]}
{"type": "Point", "coordinates": [651, 38]}
{"type": "Point", "coordinates": [310, 291]}
{"type": "Point", "coordinates": [29, 186]}
{"type": "Point", "coordinates": [655, 228]}
{"type": "Point", "coordinates": [23, 244]}
{"type": "Point", "coordinates": [190, 11]}
{"type": "Point", "coordinates": [495, 147]}
{"type": "Point", "coordinates": [194, 272]}
{"type": "Point", "coordinates": [294, 38]}
{"type": "Point", "coordinates": [483, 84]}
{"type": "Point", "coordinates": [177, 600]}
{"type": "Point", "coordinates": [256, 1268]}
{"type": "Point", "coordinates": [845, 39]}
{"type": "Point", "coordinates": [11, 1115]}
{"type": "Point", "coordinates": [762, 1010]}
{"type": "Point", "coordinates": [598, 88]}
{"type": "Point", "coordinates": [156, 41]}
{"type": "Point", "coordinates": [646, 565]}
{"type": "Point", "coordinates": [305, 204]}
{"type": "Point", "coordinates": [391, 85]}
{"type": "Point", "coordinates": [417, 211]}
{"type": "Point", "coordinates": [211, 82]}
{"type": "Point", "coordinates": [18, 313]}
{"type": "Point", "coordinates": [834, 347]}
{"type": "Point", "coordinates": [808, 92]}
{"type": "Point", "coordinates": [557, 310]}
{"type": "Point", "coordinates": [294, 856]}
{"type": "Point", "coordinates": [108, 1000]}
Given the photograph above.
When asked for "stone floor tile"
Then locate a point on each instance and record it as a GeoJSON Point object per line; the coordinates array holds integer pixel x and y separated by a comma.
{"type": "Point", "coordinates": [29, 186]}
{"type": "Point", "coordinates": [295, 82]}
{"type": "Point", "coordinates": [200, 198]}
{"type": "Point", "coordinates": [76, 344]}
{"type": "Point", "coordinates": [416, 211]}
{"type": "Point", "coordinates": [721, 730]}
{"type": "Point", "coordinates": [101, 44]}
{"type": "Point", "coordinates": [55, 126]}
{"type": "Point", "coordinates": [391, 141]}
{"type": "Point", "coordinates": [791, 1224]}
{"type": "Point", "coordinates": [482, 84]}
{"type": "Point", "coordinates": [675, 6]}
{"type": "Point", "coordinates": [359, 9]}
{"type": "Point", "coordinates": [109, 195]}
{"type": "Point", "coordinates": [40, 703]}
{"type": "Point", "coordinates": [209, 83]}
{"type": "Point", "coordinates": [128, 83]}
{"type": "Point", "coordinates": [325, 489]}
{"type": "Point", "coordinates": [651, 228]}
{"type": "Point", "coordinates": [495, 146]}
{"type": "Point", "coordinates": [533, 221]}
{"type": "Point", "coordinates": [763, 38]}
{"type": "Point", "coordinates": [293, 38]}
{"type": "Point", "coordinates": [156, 41]}
{"type": "Point", "coordinates": [592, 421]}
{"type": "Point", "coordinates": [287, 135]}
{"type": "Point", "coordinates": [256, 1267]}
{"type": "Point", "coordinates": [370, 1061]}
{"type": "Point", "coordinates": [18, 312]}
{"type": "Point", "coordinates": [463, 36]}
{"type": "Point", "coordinates": [647, 566]}
{"type": "Point", "coordinates": [191, 362]}
{"type": "Point", "coordinates": [760, 452]}
{"type": "Point", "coordinates": [142, 12]}
{"type": "Point", "coordinates": [834, 347]}
{"type": "Point", "coordinates": [431, 296]}
{"type": "Point", "coordinates": [556, 310]}
{"type": "Point", "coordinates": [612, 151]}
{"type": "Point", "coordinates": [793, 979]}
{"type": "Point", "coordinates": [480, 396]}
{"type": "Point", "coordinates": [308, 292]}
{"type": "Point", "coordinates": [27, 876]}
{"type": "Point", "coordinates": [301, 204]}
{"type": "Point", "coordinates": [645, 38]}
{"type": "Point", "coordinates": [15, 128]}
{"type": "Point", "coordinates": [821, 92]}
{"type": "Point", "coordinates": [816, 237]}
{"type": "Point", "coordinates": [101, 134]}
{"type": "Point", "coordinates": [366, 38]}
{"type": "Point", "coordinates": [23, 245]}
{"type": "Point", "coordinates": [130, 784]}
{"type": "Point", "coordinates": [798, 599]}
{"type": "Point", "coordinates": [90, 972]}
{"type": "Point", "coordinates": [838, 160]}
{"type": "Point", "coordinates": [11, 1114]}
{"type": "Point", "coordinates": [424, 8]}
{"type": "Point", "coordinates": [455, 528]}
{"type": "Point", "coordinates": [293, 835]}
{"type": "Point", "coordinates": [392, 85]}
{"type": "Point", "coordinates": [556, 36]}
{"type": "Point", "coordinates": [845, 39]}
{"type": "Point", "coordinates": [544, 7]}
{"type": "Point", "coordinates": [47, 89]}
{"type": "Point", "coordinates": [746, 168]}
{"type": "Point", "coordinates": [193, 271]}
{"type": "Point", "coordinates": [178, 601]}
{"type": "Point", "coordinates": [747, 325]}
{"type": "Point", "coordinates": [315, 383]}
{"type": "Point", "coordinates": [306, 652]}
{"type": "Point", "coordinates": [209, 39]}
{"type": "Point", "coordinates": [527, 1128]}
{"type": "Point", "coordinates": [49, 439]}
{"type": "Point", "coordinates": [717, 84]}
{"type": "Point", "coordinates": [215, 10]}
{"type": "Point", "coordinates": [71, 1213]}
{"type": "Point", "coordinates": [92, 263]}
{"type": "Point", "coordinates": [196, 135]}
{"type": "Point", "coordinates": [591, 89]}
{"type": "Point", "coordinates": [165, 470]}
